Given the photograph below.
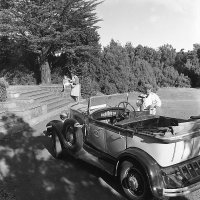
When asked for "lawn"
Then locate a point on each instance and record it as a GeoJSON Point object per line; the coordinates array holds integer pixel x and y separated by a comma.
{"type": "Point", "coordinates": [176, 102]}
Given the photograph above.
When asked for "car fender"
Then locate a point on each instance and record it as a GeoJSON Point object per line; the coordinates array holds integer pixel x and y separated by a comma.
{"type": "Point", "coordinates": [151, 167]}
{"type": "Point", "coordinates": [60, 127]}
{"type": "Point", "coordinates": [57, 124]}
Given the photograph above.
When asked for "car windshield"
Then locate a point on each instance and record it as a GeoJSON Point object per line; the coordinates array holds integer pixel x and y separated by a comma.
{"type": "Point", "coordinates": [98, 102]}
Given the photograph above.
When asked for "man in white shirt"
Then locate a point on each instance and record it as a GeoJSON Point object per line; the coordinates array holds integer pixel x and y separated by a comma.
{"type": "Point", "coordinates": [150, 100]}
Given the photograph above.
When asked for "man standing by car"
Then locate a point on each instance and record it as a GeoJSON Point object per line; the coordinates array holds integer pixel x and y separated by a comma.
{"type": "Point", "coordinates": [149, 101]}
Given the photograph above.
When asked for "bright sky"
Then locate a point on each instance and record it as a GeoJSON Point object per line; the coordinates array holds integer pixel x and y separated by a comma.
{"type": "Point", "coordinates": [151, 23]}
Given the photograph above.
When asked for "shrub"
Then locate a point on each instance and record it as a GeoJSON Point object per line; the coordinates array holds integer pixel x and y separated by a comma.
{"type": "Point", "coordinates": [56, 76]}
{"type": "Point", "coordinates": [19, 76]}
{"type": "Point", "coordinates": [3, 82]}
{"type": "Point", "coordinates": [3, 91]}
{"type": "Point", "coordinates": [88, 87]}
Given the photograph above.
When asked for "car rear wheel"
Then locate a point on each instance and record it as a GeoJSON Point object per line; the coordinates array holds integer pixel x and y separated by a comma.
{"type": "Point", "coordinates": [134, 181]}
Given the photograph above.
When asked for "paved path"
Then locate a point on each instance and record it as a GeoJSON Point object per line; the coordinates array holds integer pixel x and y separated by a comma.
{"type": "Point", "coordinates": [29, 172]}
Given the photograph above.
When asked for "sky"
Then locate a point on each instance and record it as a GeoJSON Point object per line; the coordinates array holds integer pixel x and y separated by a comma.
{"type": "Point", "coordinates": [151, 23]}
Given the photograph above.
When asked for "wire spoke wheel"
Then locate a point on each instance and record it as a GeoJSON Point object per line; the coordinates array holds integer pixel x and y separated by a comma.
{"type": "Point", "coordinates": [134, 181]}
{"type": "Point", "coordinates": [70, 136]}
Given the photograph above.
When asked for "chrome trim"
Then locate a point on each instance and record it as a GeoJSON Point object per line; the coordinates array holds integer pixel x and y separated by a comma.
{"type": "Point", "coordinates": [181, 191]}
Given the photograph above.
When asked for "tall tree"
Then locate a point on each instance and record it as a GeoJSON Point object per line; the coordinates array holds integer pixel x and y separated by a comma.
{"type": "Point", "coordinates": [168, 54]}
{"type": "Point", "coordinates": [50, 26]}
{"type": "Point", "coordinates": [114, 75]}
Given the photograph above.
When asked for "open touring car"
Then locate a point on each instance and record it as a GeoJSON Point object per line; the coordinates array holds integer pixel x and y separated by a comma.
{"type": "Point", "coordinates": [152, 155]}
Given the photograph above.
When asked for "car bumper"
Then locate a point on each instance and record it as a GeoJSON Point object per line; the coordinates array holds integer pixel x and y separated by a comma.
{"type": "Point", "coordinates": [181, 191]}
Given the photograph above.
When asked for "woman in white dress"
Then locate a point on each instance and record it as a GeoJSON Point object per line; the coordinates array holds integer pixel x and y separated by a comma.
{"type": "Point", "coordinates": [75, 88]}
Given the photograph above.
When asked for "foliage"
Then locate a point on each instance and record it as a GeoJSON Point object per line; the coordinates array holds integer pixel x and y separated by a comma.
{"type": "Point", "coordinates": [88, 87]}
{"type": "Point", "coordinates": [3, 82]}
{"type": "Point", "coordinates": [114, 74]}
{"type": "Point", "coordinates": [11, 52]}
{"type": "Point", "coordinates": [168, 54]}
{"type": "Point", "coordinates": [60, 37]}
{"type": "Point", "coordinates": [183, 81]}
{"type": "Point", "coordinates": [19, 76]}
{"type": "Point", "coordinates": [56, 76]}
{"type": "Point", "coordinates": [160, 78]}
{"type": "Point", "coordinates": [188, 63]}
{"type": "Point", "coordinates": [124, 69]}
{"type": "Point", "coordinates": [144, 73]}
{"type": "Point", "coordinates": [49, 27]}
{"type": "Point", "coordinates": [3, 91]}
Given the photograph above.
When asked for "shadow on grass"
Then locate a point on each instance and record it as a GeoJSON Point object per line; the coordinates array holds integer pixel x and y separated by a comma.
{"type": "Point", "coordinates": [28, 171]}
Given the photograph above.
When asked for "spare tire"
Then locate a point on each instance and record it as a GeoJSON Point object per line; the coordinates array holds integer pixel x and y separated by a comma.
{"type": "Point", "coordinates": [73, 135]}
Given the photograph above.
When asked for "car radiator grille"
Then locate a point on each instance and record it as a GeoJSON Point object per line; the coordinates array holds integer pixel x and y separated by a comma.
{"type": "Point", "coordinates": [191, 171]}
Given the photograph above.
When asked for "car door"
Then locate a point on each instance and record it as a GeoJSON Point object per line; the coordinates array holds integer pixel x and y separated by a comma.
{"type": "Point", "coordinates": [106, 137]}
{"type": "Point", "coordinates": [115, 140]}
{"type": "Point", "coordinates": [96, 136]}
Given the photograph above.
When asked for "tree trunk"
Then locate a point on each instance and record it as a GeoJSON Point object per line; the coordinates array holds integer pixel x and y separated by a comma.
{"type": "Point", "coordinates": [45, 73]}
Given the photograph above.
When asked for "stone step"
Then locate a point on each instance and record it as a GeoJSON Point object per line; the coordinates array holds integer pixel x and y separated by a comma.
{"type": "Point", "coordinates": [31, 102]}
{"type": "Point", "coordinates": [51, 100]}
{"type": "Point", "coordinates": [57, 104]}
{"type": "Point", "coordinates": [41, 95]}
{"type": "Point", "coordinates": [60, 105]}
{"type": "Point", "coordinates": [48, 99]}
{"type": "Point", "coordinates": [22, 87]}
{"type": "Point", "coordinates": [23, 93]}
{"type": "Point", "coordinates": [32, 93]}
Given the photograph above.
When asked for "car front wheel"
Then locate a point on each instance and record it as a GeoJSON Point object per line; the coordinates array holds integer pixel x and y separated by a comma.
{"type": "Point", "coordinates": [134, 181]}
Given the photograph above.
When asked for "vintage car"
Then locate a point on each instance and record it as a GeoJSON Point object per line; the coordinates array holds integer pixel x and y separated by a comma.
{"type": "Point", "coordinates": [153, 156]}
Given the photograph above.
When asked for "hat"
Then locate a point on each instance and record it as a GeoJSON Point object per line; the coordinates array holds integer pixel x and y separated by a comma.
{"type": "Point", "coordinates": [148, 86]}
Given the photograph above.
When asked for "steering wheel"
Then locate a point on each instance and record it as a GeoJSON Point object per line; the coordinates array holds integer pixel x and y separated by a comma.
{"type": "Point", "coordinates": [127, 112]}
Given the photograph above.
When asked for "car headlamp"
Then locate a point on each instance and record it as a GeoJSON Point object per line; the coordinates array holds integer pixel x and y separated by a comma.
{"type": "Point", "coordinates": [174, 178]}
{"type": "Point", "coordinates": [64, 115]}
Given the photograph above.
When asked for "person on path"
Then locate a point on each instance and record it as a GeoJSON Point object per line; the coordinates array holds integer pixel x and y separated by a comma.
{"type": "Point", "coordinates": [75, 88]}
